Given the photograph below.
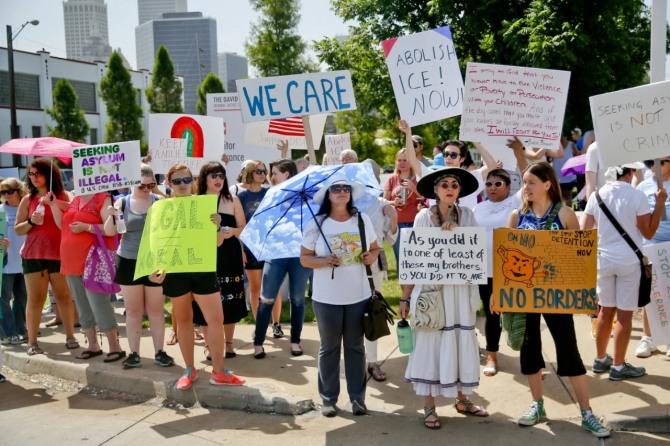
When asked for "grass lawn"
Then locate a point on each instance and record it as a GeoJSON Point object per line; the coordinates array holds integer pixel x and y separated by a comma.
{"type": "Point", "coordinates": [390, 291]}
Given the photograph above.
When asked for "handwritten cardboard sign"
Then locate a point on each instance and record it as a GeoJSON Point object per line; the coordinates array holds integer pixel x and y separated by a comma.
{"type": "Point", "coordinates": [434, 256]}
{"type": "Point", "coordinates": [3, 229]}
{"type": "Point", "coordinates": [335, 144]}
{"type": "Point", "coordinates": [105, 167]}
{"type": "Point", "coordinates": [178, 237]}
{"type": "Point", "coordinates": [544, 271]}
{"type": "Point", "coordinates": [276, 97]}
{"type": "Point", "coordinates": [426, 79]}
{"type": "Point", "coordinates": [658, 310]}
{"type": "Point", "coordinates": [505, 101]}
{"type": "Point", "coordinates": [192, 140]}
{"type": "Point", "coordinates": [632, 124]}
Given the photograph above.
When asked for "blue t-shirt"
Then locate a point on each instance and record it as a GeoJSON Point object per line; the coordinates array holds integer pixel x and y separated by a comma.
{"type": "Point", "coordinates": [250, 201]}
{"type": "Point", "coordinates": [648, 188]}
{"type": "Point", "coordinates": [530, 221]}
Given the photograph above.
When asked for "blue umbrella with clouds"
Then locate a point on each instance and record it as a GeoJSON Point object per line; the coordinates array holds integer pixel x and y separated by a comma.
{"type": "Point", "coordinates": [275, 230]}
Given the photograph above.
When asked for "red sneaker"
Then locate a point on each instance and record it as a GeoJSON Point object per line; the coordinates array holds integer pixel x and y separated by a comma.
{"type": "Point", "coordinates": [187, 379]}
{"type": "Point", "coordinates": [225, 379]}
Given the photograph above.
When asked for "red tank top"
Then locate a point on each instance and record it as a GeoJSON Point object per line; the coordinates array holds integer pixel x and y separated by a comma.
{"type": "Point", "coordinates": [42, 241]}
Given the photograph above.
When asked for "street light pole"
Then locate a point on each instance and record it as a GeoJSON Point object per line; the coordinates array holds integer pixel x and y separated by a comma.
{"type": "Point", "coordinates": [14, 128]}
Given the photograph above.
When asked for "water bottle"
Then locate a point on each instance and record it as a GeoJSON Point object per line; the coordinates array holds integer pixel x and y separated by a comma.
{"type": "Point", "coordinates": [40, 210]}
{"type": "Point", "coordinates": [403, 195]}
{"type": "Point", "coordinates": [405, 338]}
{"type": "Point", "coordinates": [120, 224]}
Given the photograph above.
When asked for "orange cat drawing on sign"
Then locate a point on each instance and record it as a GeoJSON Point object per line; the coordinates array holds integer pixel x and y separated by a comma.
{"type": "Point", "coordinates": [518, 266]}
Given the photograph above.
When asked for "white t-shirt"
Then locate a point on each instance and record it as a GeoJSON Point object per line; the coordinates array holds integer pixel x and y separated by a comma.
{"type": "Point", "coordinates": [592, 165]}
{"type": "Point", "coordinates": [348, 284]}
{"type": "Point", "coordinates": [625, 203]}
{"type": "Point", "coordinates": [492, 216]}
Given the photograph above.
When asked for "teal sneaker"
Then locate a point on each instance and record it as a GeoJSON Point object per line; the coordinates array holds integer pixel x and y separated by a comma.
{"type": "Point", "coordinates": [591, 424]}
{"type": "Point", "coordinates": [534, 415]}
{"type": "Point", "coordinates": [601, 366]}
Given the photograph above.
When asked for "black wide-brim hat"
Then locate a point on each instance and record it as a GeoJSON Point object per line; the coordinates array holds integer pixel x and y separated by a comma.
{"type": "Point", "coordinates": [469, 184]}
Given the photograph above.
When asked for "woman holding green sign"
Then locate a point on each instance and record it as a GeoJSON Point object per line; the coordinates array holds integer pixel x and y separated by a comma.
{"type": "Point", "coordinates": [203, 287]}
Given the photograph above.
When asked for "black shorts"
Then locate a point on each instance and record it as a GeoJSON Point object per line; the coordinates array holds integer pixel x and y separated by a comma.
{"type": "Point", "coordinates": [178, 284]}
{"type": "Point", "coordinates": [37, 265]}
{"type": "Point", "coordinates": [252, 261]}
{"type": "Point", "coordinates": [125, 271]}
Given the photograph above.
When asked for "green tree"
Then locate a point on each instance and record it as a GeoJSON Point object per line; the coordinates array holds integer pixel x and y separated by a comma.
{"type": "Point", "coordinates": [123, 110]}
{"type": "Point", "coordinates": [164, 93]}
{"type": "Point", "coordinates": [274, 47]}
{"type": "Point", "coordinates": [211, 84]}
{"type": "Point", "coordinates": [69, 116]}
{"type": "Point", "coordinates": [605, 44]}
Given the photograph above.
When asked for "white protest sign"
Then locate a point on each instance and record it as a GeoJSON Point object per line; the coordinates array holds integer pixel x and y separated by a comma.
{"type": "Point", "coordinates": [260, 134]}
{"type": "Point", "coordinates": [658, 310]}
{"type": "Point", "coordinates": [105, 167]}
{"type": "Point", "coordinates": [427, 82]}
{"type": "Point", "coordinates": [276, 97]}
{"type": "Point", "coordinates": [192, 140]}
{"type": "Point", "coordinates": [633, 124]}
{"type": "Point", "coordinates": [502, 102]}
{"type": "Point", "coordinates": [335, 144]}
{"type": "Point", "coordinates": [434, 256]}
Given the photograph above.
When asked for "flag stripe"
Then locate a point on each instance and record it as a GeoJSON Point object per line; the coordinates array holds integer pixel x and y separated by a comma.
{"type": "Point", "coordinates": [287, 127]}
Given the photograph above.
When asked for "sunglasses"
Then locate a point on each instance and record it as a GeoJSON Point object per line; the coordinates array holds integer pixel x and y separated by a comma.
{"type": "Point", "coordinates": [220, 176]}
{"type": "Point", "coordinates": [8, 192]}
{"type": "Point", "coordinates": [147, 186]}
{"type": "Point", "coordinates": [416, 145]}
{"type": "Point", "coordinates": [260, 172]}
{"type": "Point", "coordinates": [452, 155]}
{"type": "Point", "coordinates": [178, 181]}
{"type": "Point", "coordinates": [447, 185]}
{"type": "Point", "coordinates": [35, 174]}
{"type": "Point", "coordinates": [496, 184]}
{"type": "Point", "coordinates": [338, 189]}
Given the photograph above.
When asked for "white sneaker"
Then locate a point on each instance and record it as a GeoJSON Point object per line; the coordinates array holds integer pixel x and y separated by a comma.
{"type": "Point", "coordinates": [6, 340]}
{"type": "Point", "coordinates": [646, 347]}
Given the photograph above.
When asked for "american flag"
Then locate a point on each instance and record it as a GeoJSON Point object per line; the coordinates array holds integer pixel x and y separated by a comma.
{"type": "Point", "coordinates": [287, 127]}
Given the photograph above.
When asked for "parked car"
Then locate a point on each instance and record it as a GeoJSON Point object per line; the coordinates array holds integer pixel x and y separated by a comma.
{"type": "Point", "coordinates": [68, 179]}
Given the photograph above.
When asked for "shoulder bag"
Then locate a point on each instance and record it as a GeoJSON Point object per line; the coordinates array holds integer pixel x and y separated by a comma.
{"type": "Point", "coordinates": [644, 293]}
{"type": "Point", "coordinates": [99, 267]}
{"type": "Point", "coordinates": [378, 313]}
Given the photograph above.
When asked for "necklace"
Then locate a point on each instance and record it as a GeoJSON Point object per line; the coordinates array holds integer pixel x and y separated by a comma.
{"type": "Point", "coordinates": [450, 217]}
{"type": "Point", "coordinates": [544, 214]}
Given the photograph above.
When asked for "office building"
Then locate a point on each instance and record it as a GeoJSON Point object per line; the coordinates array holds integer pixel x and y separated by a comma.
{"type": "Point", "coordinates": [190, 39]}
{"type": "Point", "coordinates": [232, 66]}
{"type": "Point", "coordinates": [36, 77]}
{"type": "Point", "coordinates": [86, 33]}
{"type": "Point", "coordinates": [153, 9]}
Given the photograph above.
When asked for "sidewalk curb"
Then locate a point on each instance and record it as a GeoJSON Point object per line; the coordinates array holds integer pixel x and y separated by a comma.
{"type": "Point", "coordinates": [649, 424]}
{"type": "Point", "coordinates": [264, 398]}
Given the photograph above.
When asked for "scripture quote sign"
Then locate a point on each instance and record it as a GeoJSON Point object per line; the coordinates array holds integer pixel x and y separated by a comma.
{"type": "Point", "coordinates": [544, 271]}
{"type": "Point", "coordinates": [434, 256]}
{"type": "Point", "coordinates": [106, 167]}
{"type": "Point", "coordinates": [426, 79]}
{"type": "Point", "coordinates": [658, 310]}
{"type": "Point", "coordinates": [178, 237]}
{"type": "Point", "coordinates": [505, 101]}
{"type": "Point", "coordinates": [632, 124]}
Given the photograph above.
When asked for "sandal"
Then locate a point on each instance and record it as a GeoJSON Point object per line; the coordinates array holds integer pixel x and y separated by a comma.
{"type": "Point", "coordinates": [229, 354]}
{"type": "Point", "coordinates": [197, 335]}
{"type": "Point", "coordinates": [88, 354]}
{"type": "Point", "coordinates": [376, 372]}
{"type": "Point", "coordinates": [35, 350]}
{"type": "Point", "coordinates": [71, 343]}
{"type": "Point", "coordinates": [208, 357]}
{"type": "Point", "coordinates": [433, 424]}
{"type": "Point", "coordinates": [114, 356]}
{"type": "Point", "coordinates": [470, 408]}
{"type": "Point", "coordinates": [172, 340]}
{"type": "Point", "coordinates": [491, 368]}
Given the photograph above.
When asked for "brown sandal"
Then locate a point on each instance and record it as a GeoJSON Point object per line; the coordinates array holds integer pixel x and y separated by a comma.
{"type": "Point", "coordinates": [470, 408]}
{"type": "Point", "coordinates": [431, 424]}
{"type": "Point", "coordinates": [71, 344]}
{"type": "Point", "coordinates": [172, 340]}
{"type": "Point", "coordinates": [376, 372]}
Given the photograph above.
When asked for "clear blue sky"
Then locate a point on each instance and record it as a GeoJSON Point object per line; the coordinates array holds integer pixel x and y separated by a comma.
{"type": "Point", "coordinates": [233, 20]}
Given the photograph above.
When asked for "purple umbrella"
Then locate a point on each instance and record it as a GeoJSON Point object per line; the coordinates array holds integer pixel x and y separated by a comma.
{"type": "Point", "coordinates": [574, 166]}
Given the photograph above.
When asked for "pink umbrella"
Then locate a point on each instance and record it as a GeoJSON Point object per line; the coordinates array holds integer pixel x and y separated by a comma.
{"type": "Point", "coordinates": [46, 146]}
{"type": "Point", "coordinates": [574, 166]}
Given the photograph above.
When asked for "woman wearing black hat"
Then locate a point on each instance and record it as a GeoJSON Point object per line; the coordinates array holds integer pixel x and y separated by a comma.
{"type": "Point", "coordinates": [446, 362]}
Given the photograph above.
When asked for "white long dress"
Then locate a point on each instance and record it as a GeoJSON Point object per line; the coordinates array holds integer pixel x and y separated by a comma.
{"type": "Point", "coordinates": [446, 361]}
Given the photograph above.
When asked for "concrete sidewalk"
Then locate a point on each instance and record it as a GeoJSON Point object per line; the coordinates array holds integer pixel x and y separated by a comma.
{"type": "Point", "coordinates": [281, 383]}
